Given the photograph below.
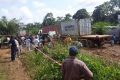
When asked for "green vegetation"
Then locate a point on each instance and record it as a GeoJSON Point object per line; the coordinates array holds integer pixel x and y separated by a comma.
{"type": "Point", "coordinates": [81, 14]}
{"type": "Point", "coordinates": [101, 69]}
{"type": "Point", "coordinates": [107, 12]}
{"type": "Point", "coordinates": [41, 68]}
{"type": "Point", "coordinates": [100, 27]}
{"type": "Point", "coordinates": [33, 28]}
{"type": "Point", "coordinates": [9, 27]}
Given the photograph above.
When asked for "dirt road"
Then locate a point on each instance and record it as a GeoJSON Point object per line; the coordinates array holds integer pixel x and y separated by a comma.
{"type": "Point", "coordinates": [13, 70]}
{"type": "Point", "coordinates": [110, 53]}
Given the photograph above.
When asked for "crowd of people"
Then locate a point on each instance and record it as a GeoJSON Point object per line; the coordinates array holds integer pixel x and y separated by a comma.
{"type": "Point", "coordinates": [17, 43]}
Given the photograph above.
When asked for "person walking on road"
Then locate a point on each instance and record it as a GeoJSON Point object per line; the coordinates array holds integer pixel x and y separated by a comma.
{"type": "Point", "coordinates": [74, 69]}
{"type": "Point", "coordinates": [0, 42]}
{"type": "Point", "coordinates": [13, 48]}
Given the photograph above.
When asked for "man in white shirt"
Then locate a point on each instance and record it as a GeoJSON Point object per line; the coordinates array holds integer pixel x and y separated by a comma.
{"type": "Point", "coordinates": [27, 42]}
{"type": "Point", "coordinates": [18, 47]}
{"type": "Point", "coordinates": [36, 43]}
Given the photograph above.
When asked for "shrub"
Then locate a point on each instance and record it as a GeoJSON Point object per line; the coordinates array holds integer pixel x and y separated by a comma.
{"type": "Point", "coordinates": [100, 27]}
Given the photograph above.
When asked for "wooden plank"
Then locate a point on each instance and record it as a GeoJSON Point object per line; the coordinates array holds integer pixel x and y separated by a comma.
{"type": "Point", "coordinates": [95, 36]}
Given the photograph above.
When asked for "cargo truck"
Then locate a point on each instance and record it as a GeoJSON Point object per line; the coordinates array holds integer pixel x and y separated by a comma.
{"type": "Point", "coordinates": [82, 30]}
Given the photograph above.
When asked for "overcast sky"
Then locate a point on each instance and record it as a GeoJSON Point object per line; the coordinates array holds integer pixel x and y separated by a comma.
{"type": "Point", "coordinates": [35, 10]}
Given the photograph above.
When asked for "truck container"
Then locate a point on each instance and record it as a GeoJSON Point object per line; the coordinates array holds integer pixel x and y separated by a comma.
{"type": "Point", "coordinates": [76, 28]}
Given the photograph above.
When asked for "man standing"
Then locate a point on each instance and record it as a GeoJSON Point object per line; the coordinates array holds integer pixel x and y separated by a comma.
{"type": "Point", "coordinates": [20, 44]}
{"type": "Point", "coordinates": [74, 69]}
{"type": "Point", "coordinates": [68, 40]}
{"type": "Point", "coordinates": [0, 42]}
{"type": "Point", "coordinates": [36, 43]}
{"type": "Point", "coordinates": [13, 48]}
{"type": "Point", "coordinates": [114, 40]}
{"type": "Point", "coordinates": [18, 47]}
{"type": "Point", "coordinates": [28, 44]}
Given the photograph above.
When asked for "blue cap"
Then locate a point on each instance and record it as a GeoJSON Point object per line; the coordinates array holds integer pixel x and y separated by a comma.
{"type": "Point", "coordinates": [73, 50]}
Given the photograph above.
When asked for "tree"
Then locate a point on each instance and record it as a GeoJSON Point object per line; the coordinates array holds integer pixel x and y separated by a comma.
{"type": "Point", "coordinates": [81, 14]}
{"type": "Point", "coordinates": [98, 14]}
{"type": "Point", "coordinates": [4, 21]}
{"type": "Point", "coordinates": [13, 26]}
{"type": "Point", "coordinates": [107, 8]}
{"type": "Point", "coordinates": [67, 17]}
{"type": "Point", "coordinates": [48, 20]}
{"type": "Point", "coordinates": [115, 4]}
{"type": "Point", "coordinates": [113, 18]}
{"type": "Point", "coordinates": [3, 30]}
{"type": "Point", "coordinates": [59, 20]}
{"type": "Point", "coordinates": [9, 27]}
{"type": "Point", "coordinates": [33, 28]}
{"type": "Point", "coordinates": [105, 11]}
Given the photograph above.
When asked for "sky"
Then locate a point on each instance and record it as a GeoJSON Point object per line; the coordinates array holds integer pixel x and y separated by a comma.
{"type": "Point", "coordinates": [29, 11]}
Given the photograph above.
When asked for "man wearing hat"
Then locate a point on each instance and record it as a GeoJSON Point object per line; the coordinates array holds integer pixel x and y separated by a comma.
{"type": "Point", "coordinates": [74, 69]}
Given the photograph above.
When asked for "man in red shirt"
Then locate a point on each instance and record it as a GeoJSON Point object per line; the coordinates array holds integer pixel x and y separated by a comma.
{"type": "Point", "coordinates": [74, 69]}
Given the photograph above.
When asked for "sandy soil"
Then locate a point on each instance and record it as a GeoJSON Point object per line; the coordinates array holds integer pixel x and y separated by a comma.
{"type": "Point", "coordinates": [15, 69]}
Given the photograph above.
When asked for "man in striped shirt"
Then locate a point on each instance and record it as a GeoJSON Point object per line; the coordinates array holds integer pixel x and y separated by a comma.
{"type": "Point", "coordinates": [74, 69]}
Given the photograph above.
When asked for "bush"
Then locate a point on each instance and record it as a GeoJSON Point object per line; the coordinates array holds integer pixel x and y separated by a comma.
{"type": "Point", "coordinates": [100, 27]}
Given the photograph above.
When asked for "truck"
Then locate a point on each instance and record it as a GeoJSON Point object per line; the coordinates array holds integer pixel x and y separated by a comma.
{"type": "Point", "coordinates": [82, 31]}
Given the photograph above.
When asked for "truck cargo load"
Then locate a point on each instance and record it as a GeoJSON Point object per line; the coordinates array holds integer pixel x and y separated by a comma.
{"type": "Point", "coordinates": [76, 28]}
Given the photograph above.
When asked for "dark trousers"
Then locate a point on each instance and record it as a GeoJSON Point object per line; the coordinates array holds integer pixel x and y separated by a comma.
{"type": "Point", "coordinates": [13, 53]}
{"type": "Point", "coordinates": [0, 45]}
{"type": "Point", "coordinates": [43, 43]}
